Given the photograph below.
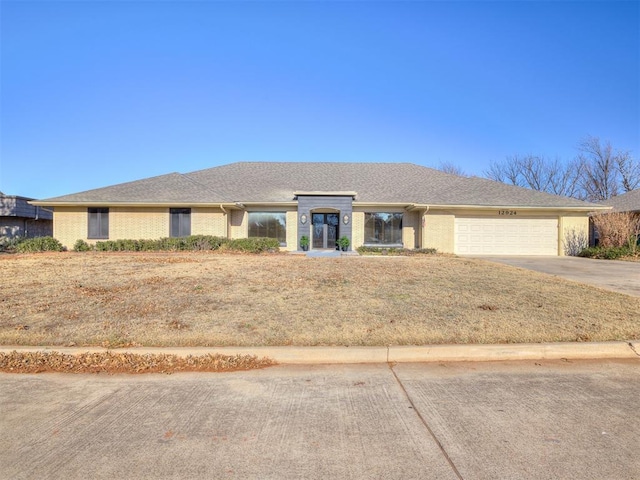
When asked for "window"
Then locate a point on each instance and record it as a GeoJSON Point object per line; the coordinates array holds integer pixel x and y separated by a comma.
{"type": "Point", "coordinates": [98, 223]}
{"type": "Point", "coordinates": [383, 228]}
{"type": "Point", "coordinates": [268, 224]}
{"type": "Point", "coordinates": [180, 224]}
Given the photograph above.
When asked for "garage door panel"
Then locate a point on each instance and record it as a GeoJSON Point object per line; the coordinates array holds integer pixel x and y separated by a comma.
{"type": "Point", "coordinates": [506, 236]}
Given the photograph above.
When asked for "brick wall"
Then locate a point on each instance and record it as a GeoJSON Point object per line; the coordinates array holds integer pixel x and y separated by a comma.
{"type": "Point", "coordinates": [438, 232]}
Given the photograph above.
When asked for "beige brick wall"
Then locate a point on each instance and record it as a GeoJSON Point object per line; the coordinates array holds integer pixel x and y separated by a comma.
{"type": "Point", "coordinates": [208, 221]}
{"type": "Point", "coordinates": [69, 225]}
{"type": "Point", "coordinates": [238, 226]}
{"type": "Point", "coordinates": [409, 229]}
{"type": "Point", "coordinates": [292, 231]}
{"type": "Point", "coordinates": [573, 226]}
{"type": "Point", "coordinates": [148, 223]}
{"type": "Point", "coordinates": [357, 230]}
{"type": "Point", "coordinates": [438, 231]}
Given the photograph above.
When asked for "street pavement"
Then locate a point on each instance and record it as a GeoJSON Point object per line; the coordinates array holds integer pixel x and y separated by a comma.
{"type": "Point", "coordinates": [535, 419]}
{"type": "Point", "coordinates": [615, 275]}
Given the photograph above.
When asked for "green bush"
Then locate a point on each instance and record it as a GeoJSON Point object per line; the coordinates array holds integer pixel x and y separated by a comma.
{"type": "Point", "coordinates": [39, 244]}
{"type": "Point", "coordinates": [395, 251]}
{"type": "Point", "coordinates": [82, 246]}
{"type": "Point", "coordinates": [191, 243]}
{"type": "Point", "coordinates": [253, 245]}
{"type": "Point", "coordinates": [606, 253]}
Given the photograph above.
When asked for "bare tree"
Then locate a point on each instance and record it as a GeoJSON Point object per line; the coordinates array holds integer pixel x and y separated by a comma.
{"type": "Point", "coordinates": [629, 171]}
{"type": "Point", "coordinates": [607, 172]}
{"type": "Point", "coordinates": [539, 173]}
{"type": "Point", "coordinates": [601, 176]}
{"type": "Point", "coordinates": [448, 167]}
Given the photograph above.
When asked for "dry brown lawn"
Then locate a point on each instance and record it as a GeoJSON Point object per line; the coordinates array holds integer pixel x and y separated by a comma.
{"type": "Point", "coordinates": [200, 299]}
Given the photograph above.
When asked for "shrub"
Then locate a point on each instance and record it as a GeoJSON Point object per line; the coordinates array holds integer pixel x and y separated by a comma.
{"type": "Point", "coordinates": [191, 243]}
{"type": "Point", "coordinates": [607, 253]}
{"type": "Point", "coordinates": [253, 245]}
{"type": "Point", "coordinates": [81, 246]}
{"type": "Point", "coordinates": [395, 251]}
{"type": "Point", "coordinates": [39, 244]}
{"type": "Point", "coordinates": [575, 241]}
{"type": "Point", "coordinates": [617, 229]}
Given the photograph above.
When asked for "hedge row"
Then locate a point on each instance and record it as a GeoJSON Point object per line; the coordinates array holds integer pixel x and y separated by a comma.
{"type": "Point", "coordinates": [183, 244]}
{"type": "Point", "coordinates": [395, 251]}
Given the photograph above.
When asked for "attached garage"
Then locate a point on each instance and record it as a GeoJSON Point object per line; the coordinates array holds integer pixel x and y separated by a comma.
{"type": "Point", "coordinates": [506, 236]}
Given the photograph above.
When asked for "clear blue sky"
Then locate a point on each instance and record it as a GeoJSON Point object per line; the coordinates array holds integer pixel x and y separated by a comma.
{"type": "Point", "coordinates": [95, 93]}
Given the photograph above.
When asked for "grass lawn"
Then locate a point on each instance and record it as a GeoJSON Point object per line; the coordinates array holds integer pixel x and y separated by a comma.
{"type": "Point", "coordinates": [204, 299]}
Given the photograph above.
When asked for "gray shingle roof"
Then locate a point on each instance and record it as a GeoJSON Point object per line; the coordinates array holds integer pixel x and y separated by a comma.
{"type": "Point", "coordinates": [249, 182]}
{"type": "Point", "coordinates": [627, 202]}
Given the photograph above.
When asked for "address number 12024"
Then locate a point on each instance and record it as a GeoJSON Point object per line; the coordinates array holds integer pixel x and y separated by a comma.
{"type": "Point", "coordinates": [507, 212]}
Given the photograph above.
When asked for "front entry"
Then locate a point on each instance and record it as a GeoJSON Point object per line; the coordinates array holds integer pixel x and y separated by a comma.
{"type": "Point", "coordinates": [325, 230]}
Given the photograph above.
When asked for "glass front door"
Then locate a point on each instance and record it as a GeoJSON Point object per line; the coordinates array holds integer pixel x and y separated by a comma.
{"type": "Point", "coordinates": [325, 230]}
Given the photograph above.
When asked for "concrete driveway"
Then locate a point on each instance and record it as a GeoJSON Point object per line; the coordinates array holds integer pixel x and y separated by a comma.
{"type": "Point", "coordinates": [525, 420]}
{"type": "Point", "coordinates": [618, 276]}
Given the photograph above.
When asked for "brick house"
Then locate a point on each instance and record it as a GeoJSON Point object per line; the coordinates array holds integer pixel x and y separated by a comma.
{"type": "Point", "coordinates": [378, 204]}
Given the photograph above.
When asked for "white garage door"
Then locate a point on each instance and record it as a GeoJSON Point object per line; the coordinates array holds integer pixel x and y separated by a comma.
{"type": "Point", "coordinates": [506, 236]}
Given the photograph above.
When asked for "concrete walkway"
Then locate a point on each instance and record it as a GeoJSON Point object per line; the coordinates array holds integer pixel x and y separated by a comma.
{"type": "Point", "coordinates": [614, 275]}
{"type": "Point", "coordinates": [525, 420]}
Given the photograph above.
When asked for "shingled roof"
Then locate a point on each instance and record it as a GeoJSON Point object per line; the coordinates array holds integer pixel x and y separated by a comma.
{"type": "Point", "coordinates": [264, 182]}
{"type": "Point", "coordinates": [627, 202]}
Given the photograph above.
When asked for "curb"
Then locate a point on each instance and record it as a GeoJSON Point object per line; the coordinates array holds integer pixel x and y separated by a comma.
{"type": "Point", "coordinates": [392, 354]}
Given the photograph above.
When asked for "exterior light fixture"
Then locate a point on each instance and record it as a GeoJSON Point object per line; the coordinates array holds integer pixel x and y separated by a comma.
{"type": "Point", "coordinates": [345, 219]}
{"type": "Point", "coordinates": [303, 218]}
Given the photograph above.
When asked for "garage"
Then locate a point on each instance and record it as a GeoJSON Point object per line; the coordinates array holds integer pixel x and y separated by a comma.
{"type": "Point", "coordinates": [506, 236]}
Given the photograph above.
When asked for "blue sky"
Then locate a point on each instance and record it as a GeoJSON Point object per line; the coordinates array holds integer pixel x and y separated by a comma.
{"type": "Point", "coordinates": [95, 93]}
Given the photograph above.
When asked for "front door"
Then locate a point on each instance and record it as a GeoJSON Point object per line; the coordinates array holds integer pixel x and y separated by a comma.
{"type": "Point", "coordinates": [325, 230]}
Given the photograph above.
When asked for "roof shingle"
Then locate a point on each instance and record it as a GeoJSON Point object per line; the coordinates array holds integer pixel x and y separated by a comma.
{"type": "Point", "coordinates": [267, 182]}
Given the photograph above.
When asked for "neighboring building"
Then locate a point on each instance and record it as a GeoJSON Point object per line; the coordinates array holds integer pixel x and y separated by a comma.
{"type": "Point", "coordinates": [20, 219]}
{"type": "Point", "coordinates": [380, 204]}
{"type": "Point", "coordinates": [627, 202]}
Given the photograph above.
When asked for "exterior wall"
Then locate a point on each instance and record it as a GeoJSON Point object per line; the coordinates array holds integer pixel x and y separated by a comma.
{"type": "Point", "coordinates": [357, 231]}
{"type": "Point", "coordinates": [25, 227]}
{"type": "Point", "coordinates": [438, 226]}
{"type": "Point", "coordinates": [410, 222]}
{"type": "Point", "coordinates": [136, 223]}
{"type": "Point", "coordinates": [438, 231]}
{"type": "Point", "coordinates": [292, 230]}
{"type": "Point", "coordinates": [410, 225]}
{"type": "Point", "coordinates": [18, 218]}
{"type": "Point", "coordinates": [238, 225]}
{"type": "Point", "coordinates": [208, 221]}
{"type": "Point", "coordinates": [308, 204]}
{"type": "Point", "coordinates": [69, 225]}
{"type": "Point", "coordinates": [573, 227]}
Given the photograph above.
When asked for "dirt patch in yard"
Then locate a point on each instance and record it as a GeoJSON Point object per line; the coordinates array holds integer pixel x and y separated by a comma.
{"type": "Point", "coordinates": [200, 299]}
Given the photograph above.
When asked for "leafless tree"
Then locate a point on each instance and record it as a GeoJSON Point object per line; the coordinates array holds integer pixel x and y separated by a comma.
{"type": "Point", "coordinates": [601, 176]}
{"type": "Point", "coordinates": [629, 171]}
{"type": "Point", "coordinates": [607, 172]}
{"type": "Point", "coordinates": [448, 167]}
{"type": "Point", "coordinates": [539, 173]}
